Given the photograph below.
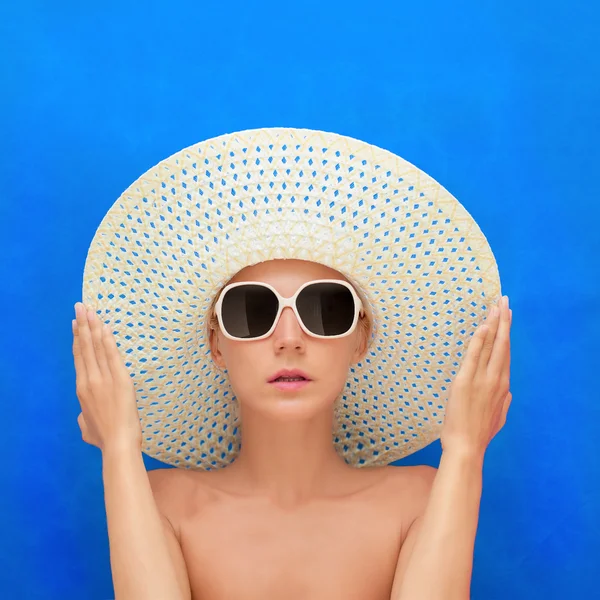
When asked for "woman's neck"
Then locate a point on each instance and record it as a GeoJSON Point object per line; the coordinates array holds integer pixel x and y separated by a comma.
{"type": "Point", "coordinates": [288, 461]}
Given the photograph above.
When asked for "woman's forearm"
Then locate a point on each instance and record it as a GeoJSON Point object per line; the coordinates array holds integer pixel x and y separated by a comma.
{"type": "Point", "coordinates": [441, 563]}
{"type": "Point", "coordinates": [139, 556]}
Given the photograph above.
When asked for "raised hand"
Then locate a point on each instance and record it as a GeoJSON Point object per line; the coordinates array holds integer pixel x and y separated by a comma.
{"type": "Point", "coordinates": [104, 387]}
{"type": "Point", "coordinates": [480, 394]}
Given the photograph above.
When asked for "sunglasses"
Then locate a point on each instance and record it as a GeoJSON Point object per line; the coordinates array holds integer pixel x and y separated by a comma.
{"type": "Point", "coordinates": [325, 308]}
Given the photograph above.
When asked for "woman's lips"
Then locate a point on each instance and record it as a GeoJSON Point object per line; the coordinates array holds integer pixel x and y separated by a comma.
{"type": "Point", "coordinates": [290, 386]}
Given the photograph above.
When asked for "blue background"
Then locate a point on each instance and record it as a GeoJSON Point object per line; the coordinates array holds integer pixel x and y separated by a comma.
{"type": "Point", "coordinates": [497, 101]}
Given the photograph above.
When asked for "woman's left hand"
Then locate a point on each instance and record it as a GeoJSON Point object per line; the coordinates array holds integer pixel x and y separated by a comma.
{"type": "Point", "coordinates": [480, 394]}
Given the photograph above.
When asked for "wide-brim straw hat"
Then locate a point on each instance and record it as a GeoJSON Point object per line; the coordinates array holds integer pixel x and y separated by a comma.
{"type": "Point", "coordinates": [178, 233]}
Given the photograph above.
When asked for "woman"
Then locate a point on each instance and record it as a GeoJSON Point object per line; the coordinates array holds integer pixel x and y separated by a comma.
{"type": "Point", "coordinates": [289, 516]}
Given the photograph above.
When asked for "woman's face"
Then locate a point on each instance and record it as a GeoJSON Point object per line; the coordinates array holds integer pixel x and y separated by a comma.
{"type": "Point", "coordinates": [251, 364]}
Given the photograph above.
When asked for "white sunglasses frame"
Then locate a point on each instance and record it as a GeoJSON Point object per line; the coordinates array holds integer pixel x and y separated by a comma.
{"type": "Point", "coordinates": [291, 302]}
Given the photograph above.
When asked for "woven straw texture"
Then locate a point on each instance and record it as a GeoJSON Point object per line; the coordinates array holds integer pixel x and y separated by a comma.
{"type": "Point", "coordinates": [187, 225]}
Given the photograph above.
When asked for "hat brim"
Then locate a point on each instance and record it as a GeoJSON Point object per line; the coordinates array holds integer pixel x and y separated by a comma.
{"type": "Point", "coordinates": [187, 225]}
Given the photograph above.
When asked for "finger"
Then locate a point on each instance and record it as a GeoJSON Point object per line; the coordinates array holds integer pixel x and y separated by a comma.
{"type": "Point", "coordinates": [80, 371]}
{"type": "Point", "coordinates": [82, 424]}
{"type": "Point", "coordinates": [96, 330]}
{"type": "Point", "coordinates": [115, 362]}
{"type": "Point", "coordinates": [85, 432]}
{"type": "Point", "coordinates": [87, 345]}
{"type": "Point", "coordinates": [505, 408]}
{"type": "Point", "coordinates": [488, 344]}
{"type": "Point", "coordinates": [510, 326]}
{"type": "Point", "coordinates": [469, 365]}
{"type": "Point", "coordinates": [508, 358]}
{"type": "Point", "coordinates": [499, 363]}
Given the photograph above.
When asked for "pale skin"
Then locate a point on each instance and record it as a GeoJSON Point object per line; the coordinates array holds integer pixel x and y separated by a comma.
{"type": "Point", "coordinates": [289, 519]}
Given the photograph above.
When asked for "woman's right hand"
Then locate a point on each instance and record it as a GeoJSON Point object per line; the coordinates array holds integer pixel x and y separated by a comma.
{"type": "Point", "coordinates": [109, 415]}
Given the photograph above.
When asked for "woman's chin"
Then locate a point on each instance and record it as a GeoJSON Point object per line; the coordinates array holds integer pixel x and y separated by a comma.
{"type": "Point", "coordinates": [286, 406]}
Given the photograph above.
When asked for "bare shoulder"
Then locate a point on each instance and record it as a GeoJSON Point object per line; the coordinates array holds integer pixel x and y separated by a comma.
{"type": "Point", "coordinates": [166, 484]}
{"type": "Point", "coordinates": [172, 482]}
{"type": "Point", "coordinates": [178, 493]}
{"type": "Point", "coordinates": [412, 485]}
{"type": "Point", "coordinates": [417, 476]}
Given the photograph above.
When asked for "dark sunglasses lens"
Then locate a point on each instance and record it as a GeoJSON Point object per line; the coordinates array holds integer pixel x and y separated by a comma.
{"type": "Point", "coordinates": [248, 311]}
{"type": "Point", "coordinates": [326, 308]}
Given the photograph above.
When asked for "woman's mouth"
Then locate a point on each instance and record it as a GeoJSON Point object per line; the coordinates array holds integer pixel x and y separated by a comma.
{"type": "Point", "coordinates": [290, 383]}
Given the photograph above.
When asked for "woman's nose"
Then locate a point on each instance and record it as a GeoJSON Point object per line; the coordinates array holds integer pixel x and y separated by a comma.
{"type": "Point", "coordinates": [288, 325]}
{"type": "Point", "coordinates": [288, 317]}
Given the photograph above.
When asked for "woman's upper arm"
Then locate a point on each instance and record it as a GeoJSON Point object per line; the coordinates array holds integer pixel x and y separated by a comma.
{"type": "Point", "coordinates": [161, 484]}
{"type": "Point", "coordinates": [421, 483]}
